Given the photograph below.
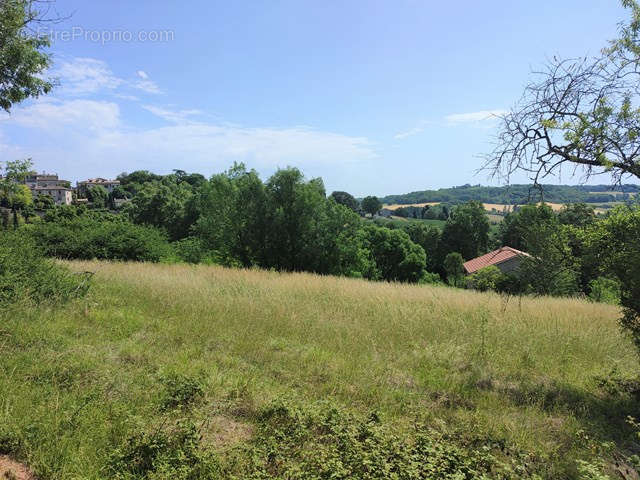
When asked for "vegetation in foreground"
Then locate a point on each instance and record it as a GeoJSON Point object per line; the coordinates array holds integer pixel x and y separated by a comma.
{"type": "Point", "coordinates": [178, 371]}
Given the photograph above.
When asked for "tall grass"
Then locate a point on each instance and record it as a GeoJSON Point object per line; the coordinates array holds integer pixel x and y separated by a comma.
{"type": "Point", "coordinates": [76, 381]}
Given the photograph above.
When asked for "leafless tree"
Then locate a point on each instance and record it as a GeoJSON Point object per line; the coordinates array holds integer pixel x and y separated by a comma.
{"type": "Point", "coordinates": [580, 114]}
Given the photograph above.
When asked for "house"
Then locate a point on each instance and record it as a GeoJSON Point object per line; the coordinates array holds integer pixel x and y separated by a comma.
{"type": "Point", "coordinates": [50, 184]}
{"type": "Point", "coordinates": [507, 259]}
{"type": "Point", "coordinates": [61, 195]}
{"type": "Point", "coordinates": [83, 187]}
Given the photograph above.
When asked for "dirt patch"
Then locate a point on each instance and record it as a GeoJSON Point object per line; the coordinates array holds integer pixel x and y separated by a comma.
{"type": "Point", "coordinates": [224, 432]}
{"type": "Point", "coordinates": [12, 470]}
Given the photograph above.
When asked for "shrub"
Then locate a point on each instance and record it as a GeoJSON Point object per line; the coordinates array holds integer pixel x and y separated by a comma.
{"type": "Point", "coordinates": [180, 391]}
{"type": "Point", "coordinates": [487, 278]}
{"type": "Point", "coordinates": [159, 454]}
{"type": "Point", "coordinates": [324, 441]}
{"type": "Point", "coordinates": [605, 290]}
{"type": "Point", "coordinates": [191, 250]}
{"type": "Point", "coordinates": [101, 236]}
{"type": "Point", "coordinates": [26, 276]}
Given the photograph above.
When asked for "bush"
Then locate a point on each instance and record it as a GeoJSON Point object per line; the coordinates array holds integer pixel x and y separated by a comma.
{"type": "Point", "coordinates": [180, 391]}
{"type": "Point", "coordinates": [487, 278]}
{"type": "Point", "coordinates": [323, 441]}
{"type": "Point", "coordinates": [191, 250]}
{"type": "Point", "coordinates": [100, 236]}
{"type": "Point", "coordinates": [26, 276]}
{"type": "Point", "coordinates": [605, 290]}
{"type": "Point", "coordinates": [158, 454]}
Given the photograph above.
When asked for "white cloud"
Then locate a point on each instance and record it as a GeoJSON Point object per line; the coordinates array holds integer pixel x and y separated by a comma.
{"type": "Point", "coordinates": [56, 115]}
{"type": "Point", "coordinates": [84, 76]}
{"type": "Point", "coordinates": [147, 86]}
{"type": "Point", "coordinates": [408, 133]}
{"type": "Point", "coordinates": [179, 116]}
{"type": "Point", "coordinates": [473, 117]}
{"type": "Point", "coordinates": [81, 76]}
{"type": "Point", "coordinates": [88, 136]}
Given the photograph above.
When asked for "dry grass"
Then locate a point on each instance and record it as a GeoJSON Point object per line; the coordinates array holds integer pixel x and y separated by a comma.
{"type": "Point", "coordinates": [524, 371]}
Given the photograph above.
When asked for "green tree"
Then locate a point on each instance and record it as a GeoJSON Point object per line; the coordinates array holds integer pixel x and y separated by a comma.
{"type": "Point", "coordinates": [579, 215]}
{"type": "Point", "coordinates": [346, 199]}
{"type": "Point", "coordinates": [294, 209]}
{"type": "Point", "coordinates": [371, 205]}
{"type": "Point", "coordinates": [23, 59]}
{"type": "Point", "coordinates": [454, 268]}
{"type": "Point", "coordinates": [98, 196]}
{"type": "Point", "coordinates": [613, 243]}
{"type": "Point", "coordinates": [43, 202]}
{"type": "Point", "coordinates": [231, 216]}
{"type": "Point", "coordinates": [396, 257]}
{"type": "Point", "coordinates": [467, 230]}
{"type": "Point", "coordinates": [162, 204]}
{"type": "Point", "coordinates": [13, 193]}
{"type": "Point", "coordinates": [518, 225]}
{"type": "Point", "coordinates": [551, 268]}
{"type": "Point", "coordinates": [428, 237]}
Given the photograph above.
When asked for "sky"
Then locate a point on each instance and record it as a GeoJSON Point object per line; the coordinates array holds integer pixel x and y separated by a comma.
{"type": "Point", "coordinates": [376, 97]}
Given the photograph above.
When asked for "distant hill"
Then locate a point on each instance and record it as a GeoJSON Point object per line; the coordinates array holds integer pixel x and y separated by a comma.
{"type": "Point", "coordinates": [518, 194]}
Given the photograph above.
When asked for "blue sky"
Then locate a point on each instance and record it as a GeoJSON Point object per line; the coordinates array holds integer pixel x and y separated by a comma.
{"type": "Point", "coordinates": [376, 97]}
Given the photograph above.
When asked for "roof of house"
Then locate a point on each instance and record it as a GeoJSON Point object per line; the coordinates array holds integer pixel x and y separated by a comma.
{"type": "Point", "coordinates": [493, 258]}
{"type": "Point", "coordinates": [99, 180]}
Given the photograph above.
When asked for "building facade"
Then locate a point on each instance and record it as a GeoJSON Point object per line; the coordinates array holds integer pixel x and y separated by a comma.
{"type": "Point", "coordinates": [49, 184]}
{"type": "Point", "coordinates": [83, 187]}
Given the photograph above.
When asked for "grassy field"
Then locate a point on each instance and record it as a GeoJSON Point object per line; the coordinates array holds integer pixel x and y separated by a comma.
{"type": "Point", "coordinates": [155, 345]}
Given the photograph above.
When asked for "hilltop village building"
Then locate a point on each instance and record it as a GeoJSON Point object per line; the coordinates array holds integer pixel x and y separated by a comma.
{"type": "Point", "coordinates": [49, 184]}
{"type": "Point", "coordinates": [83, 187]}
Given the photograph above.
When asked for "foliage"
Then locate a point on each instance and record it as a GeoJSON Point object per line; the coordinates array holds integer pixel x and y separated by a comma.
{"type": "Point", "coordinates": [191, 250]}
{"type": "Point", "coordinates": [454, 268]}
{"type": "Point", "coordinates": [22, 54]}
{"type": "Point", "coordinates": [71, 234]}
{"type": "Point", "coordinates": [85, 377]}
{"type": "Point", "coordinates": [158, 455]}
{"type": "Point", "coordinates": [26, 276]}
{"type": "Point", "coordinates": [428, 237]}
{"type": "Point", "coordinates": [231, 216]}
{"type": "Point", "coordinates": [517, 194]}
{"type": "Point", "coordinates": [524, 222]}
{"type": "Point", "coordinates": [579, 215]}
{"type": "Point", "coordinates": [162, 204]}
{"type": "Point", "coordinates": [579, 113]}
{"type": "Point", "coordinates": [98, 196]}
{"type": "Point", "coordinates": [467, 230]}
{"type": "Point", "coordinates": [395, 256]}
{"type": "Point", "coordinates": [181, 391]}
{"type": "Point", "coordinates": [324, 441]}
{"type": "Point", "coordinates": [614, 243]}
{"type": "Point", "coordinates": [487, 278]}
{"type": "Point", "coordinates": [606, 290]}
{"type": "Point", "coordinates": [371, 205]}
{"type": "Point", "coordinates": [551, 268]}
{"type": "Point", "coordinates": [346, 199]}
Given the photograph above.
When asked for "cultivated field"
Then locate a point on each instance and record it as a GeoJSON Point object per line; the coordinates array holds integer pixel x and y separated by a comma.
{"type": "Point", "coordinates": [525, 377]}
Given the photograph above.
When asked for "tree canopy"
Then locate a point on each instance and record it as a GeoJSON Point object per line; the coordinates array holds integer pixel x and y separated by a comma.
{"type": "Point", "coordinates": [23, 57]}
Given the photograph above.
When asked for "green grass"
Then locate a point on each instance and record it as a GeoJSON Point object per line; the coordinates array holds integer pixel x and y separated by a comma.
{"type": "Point", "coordinates": [155, 344]}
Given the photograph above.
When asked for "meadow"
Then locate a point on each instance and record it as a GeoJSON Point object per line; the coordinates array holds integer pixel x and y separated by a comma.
{"type": "Point", "coordinates": [539, 382]}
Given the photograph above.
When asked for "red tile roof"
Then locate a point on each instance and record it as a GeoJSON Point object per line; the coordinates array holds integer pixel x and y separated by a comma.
{"type": "Point", "coordinates": [492, 258]}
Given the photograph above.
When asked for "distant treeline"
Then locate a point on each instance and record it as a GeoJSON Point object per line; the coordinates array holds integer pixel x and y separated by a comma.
{"type": "Point", "coordinates": [519, 194]}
